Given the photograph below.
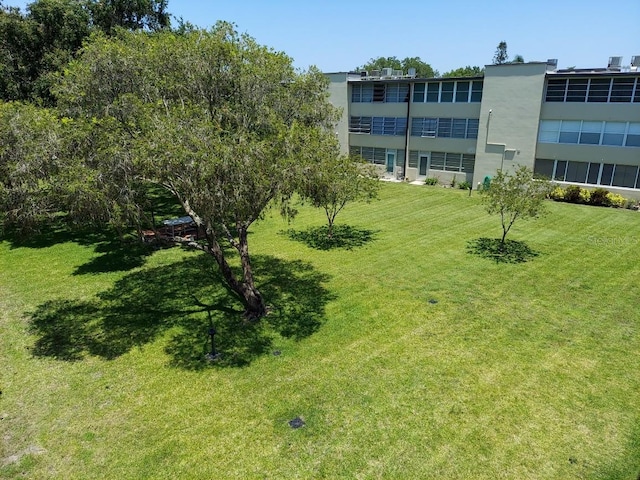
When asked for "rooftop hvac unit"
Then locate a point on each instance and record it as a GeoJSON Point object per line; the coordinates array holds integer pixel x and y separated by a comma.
{"type": "Point", "coordinates": [397, 73]}
{"type": "Point", "coordinates": [387, 72]}
{"type": "Point", "coordinates": [552, 62]}
{"type": "Point", "coordinates": [375, 73]}
{"type": "Point", "coordinates": [412, 72]}
{"type": "Point", "coordinates": [364, 73]}
{"type": "Point", "coordinates": [635, 61]}
{"type": "Point", "coordinates": [615, 63]}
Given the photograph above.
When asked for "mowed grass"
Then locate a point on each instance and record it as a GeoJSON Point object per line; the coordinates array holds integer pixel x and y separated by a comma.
{"type": "Point", "coordinates": [407, 357]}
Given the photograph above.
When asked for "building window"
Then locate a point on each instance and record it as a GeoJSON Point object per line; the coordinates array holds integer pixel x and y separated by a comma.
{"type": "Point", "coordinates": [590, 133]}
{"type": "Point", "coordinates": [362, 92]}
{"type": "Point", "coordinates": [378, 125]}
{"type": "Point", "coordinates": [468, 162]}
{"type": "Point", "coordinates": [396, 92]}
{"type": "Point", "coordinates": [373, 155]}
{"type": "Point", "coordinates": [446, 94]}
{"type": "Point", "coordinates": [462, 92]}
{"type": "Point", "coordinates": [424, 127]}
{"type": "Point", "coordinates": [618, 134]}
{"type": "Point", "coordinates": [444, 127]}
{"type": "Point", "coordinates": [614, 133]}
{"type": "Point", "coordinates": [418, 92]}
{"type": "Point", "coordinates": [445, 161]}
{"type": "Point", "coordinates": [413, 158]}
{"type": "Point", "coordinates": [379, 92]}
{"type": "Point", "coordinates": [360, 125]}
{"type": "Point", "coordinates": [556, 88]}
{"type": "Point", "coordinates": [433, 92]}
{"type": "Point", "coordinates": [476, 91]}
{"type": "Point", "coordinates": [597, 174]}
{"type": "Point", "coordinates": [549, 131]}
{"type": "Point", "coordinates": [620, 89]}
{"type": "Point", "coordinates": [625, 176]}
{"type": "Point", "coordinates": [599, 89]}
{"type": "Point", "coordinates": [577, 90]}
{"type": "Point", "coordinates": [472, 127]}
{"type": "Point", "coordinates": [437, 161]}
{"type": "Point", "coordinates": [633, 135]}
{"type": "Point", "coordinates": [569, 131]}
{"type": "Point", "coordinates": [389, 126]}
{"type": "Point", "coordinates": [544, 168]}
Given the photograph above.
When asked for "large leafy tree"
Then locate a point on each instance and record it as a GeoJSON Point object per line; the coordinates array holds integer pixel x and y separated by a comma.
{"type": "Point", "coordinates": [514, 196]}
{"type": "Point", "coordinates": [30, 149]}
{"type": "Point", "coordinates": [130, 14]}
{"type": "Point", "coordinates": [423, 69]}
{"type": "Point", "coordinates": [19, 54]}
{"type": "Point", "coordinates": [36, 45]}
{"type": "Point", "coordinates": [223, 124]}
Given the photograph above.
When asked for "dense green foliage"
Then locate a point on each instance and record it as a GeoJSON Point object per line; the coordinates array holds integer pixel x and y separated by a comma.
{"type": "Point", "coordinates": [467, 71]}
{"type": "Point", "coordinates": [223, 124]}
{"type": "Point", "coordinates": [406, 358]}
{"type": "Point", "coordinates": [423, 69]}
{"type": "Point", "coordinates": [35, 46]}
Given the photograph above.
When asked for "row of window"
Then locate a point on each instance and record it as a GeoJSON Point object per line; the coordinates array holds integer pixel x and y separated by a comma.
{"type": "Point", "coordinates": [590, 133]}
{"type": "Point", "coordinates": [378, 125]}
{"type": "Point", "coordinates": [420, 127]}
{"type": "Point", "coordinates": [377, 155]}
{"type": "Point", "coordinates": [379, 92]}
{"type": "Point", "coordinates": [445, 161]}
{"type": "Point", "coordinates": [604, 174]}
{"type": "Point", "coordinates": [461, 91]}
{"type": "Point", "coordinates": [615, 90]}
{"type": "Point", "coordinates": [444, 127]}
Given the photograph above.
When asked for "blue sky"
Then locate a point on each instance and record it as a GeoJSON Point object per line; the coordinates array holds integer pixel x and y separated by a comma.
{"type": "Point", "coordinates": [341, 35]}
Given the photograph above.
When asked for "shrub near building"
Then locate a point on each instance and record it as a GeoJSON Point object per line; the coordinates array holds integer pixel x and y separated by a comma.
{"type": "Point", "coordinates": [599, 197]}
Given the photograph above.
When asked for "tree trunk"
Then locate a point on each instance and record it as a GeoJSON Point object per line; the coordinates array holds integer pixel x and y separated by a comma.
{"type": "Point", "coordinates": [504, 235]}
{"type": "Point", "coordinates": [251, 298]}
{"type": "Point", "coordinates": [255, 307]}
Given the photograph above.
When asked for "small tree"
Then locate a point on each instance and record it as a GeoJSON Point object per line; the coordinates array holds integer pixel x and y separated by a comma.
{"type": "Point", "coordinates": [336, 181]}
{"type": "Point", "coordinates": [501, 56]}
{"type": "Point", "coordinates": [514, 196]}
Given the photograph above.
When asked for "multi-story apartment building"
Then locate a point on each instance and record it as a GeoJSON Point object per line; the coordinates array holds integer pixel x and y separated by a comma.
{"type": "Point", "coordinates": [576, 126]}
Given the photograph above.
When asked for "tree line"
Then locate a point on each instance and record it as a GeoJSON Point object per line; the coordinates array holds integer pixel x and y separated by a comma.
{"type": "Point", "coordinates": [36, 45]}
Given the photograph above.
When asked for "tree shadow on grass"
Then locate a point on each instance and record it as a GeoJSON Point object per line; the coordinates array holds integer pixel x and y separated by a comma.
{"type": "Point", "coordinates": [118, 256]}
{"type": "Point", "coordinates": [179, 301]}
{"type": "Point", "coordinates": [54, 233]}
{"type": "Point", "coordinates": [513, 251]}
{"type": "Point", "coordinates": [344, 236]}
{"type": "Point", "coordinates": [114, 254]}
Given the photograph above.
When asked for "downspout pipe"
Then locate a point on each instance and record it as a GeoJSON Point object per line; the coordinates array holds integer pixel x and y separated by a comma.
{"type": "Point", "coordinates": [406, 132]}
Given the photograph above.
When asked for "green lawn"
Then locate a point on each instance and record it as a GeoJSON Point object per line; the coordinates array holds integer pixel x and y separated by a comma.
{"type": "Point", "coordinates": [407, 357]}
